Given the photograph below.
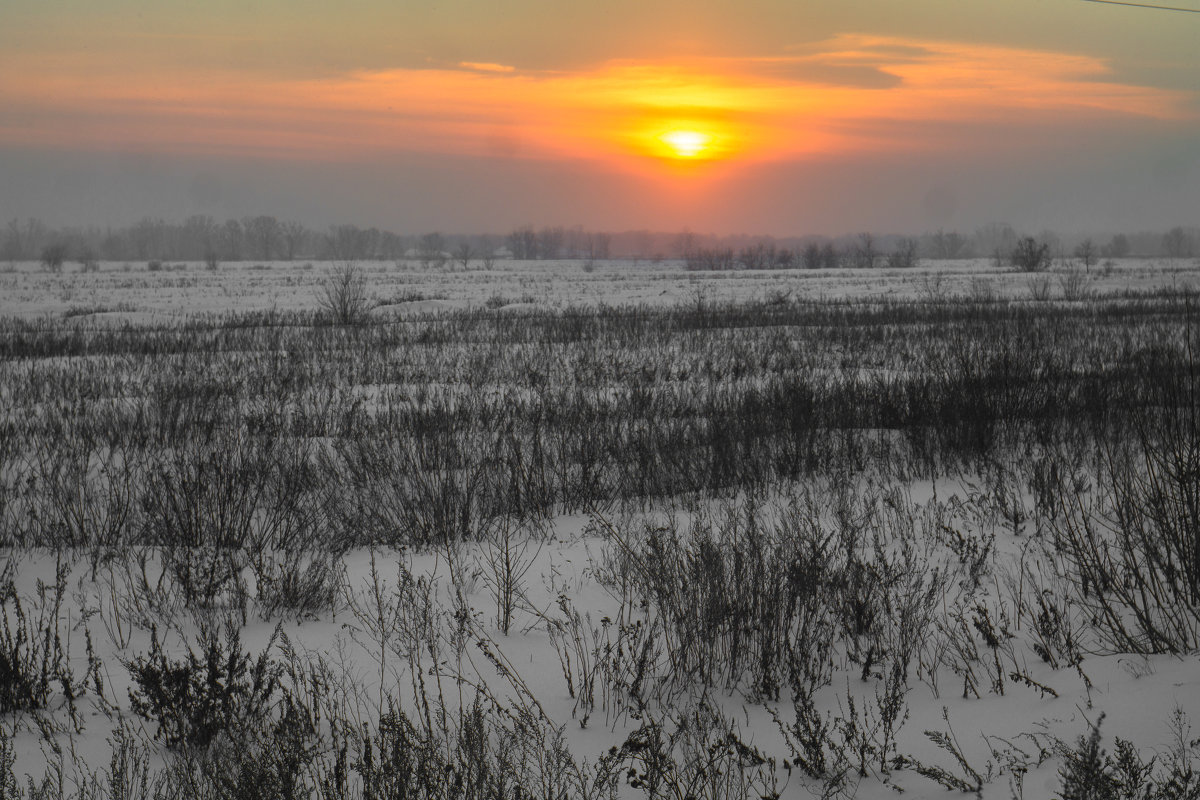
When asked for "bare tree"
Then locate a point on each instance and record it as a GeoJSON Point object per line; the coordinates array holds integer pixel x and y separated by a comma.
{"type": "Point", "coordinates": [12, 250]}
{"type": "Point", "coordinates": [346, 243]}
{"type": "Point", "coordinates": [947, 245]}
{"type": "Point", "coordinates": [431, 251]}
{"type": "Point", "coordinates": [550, 243]}
{"type": "Point", "coordinates": [712, 258]}
{"type": "Point", "coordinates": [995, 237]}
{"type": "Point", "coordinates": [1176, 243]}
{"type": "Point", "coordinates": [200, 234]}
{"type": "Point", "coordinates": [263, 234]}
{"type": "Point", "coordinates": [53, 256]}
{"type": "Point", "coordinates": [865, 253]}
{"type": "Point", "coordinates": [293, 234]}
{"type": "Point", "coordinates": [829, 256]}
{"type": "Point", "coordinates": [1086, 252]}
{"type": "Point", "coordinates": [598, 245]}
{"type": "Point", "coordinates": [757, 256]}
{"type": "Point", "coordinates": [811, 257]}
{"type": "Point", "coordinates": [88, 260]}
{"type": "Point", "coordinates": [905, 254]}
{"type": "Point", "coordinates": [232, 240]}
{"type": "Point", "coordinates": [1118, 247]}
{"type": "Point", "coordinates": [642, 242]}
{"type": "Point", "coordinates": [371, 240]}
{"type": "Point", "coordinates": [523, 243]}
{"type": "Point", "coordinates": [684, 243]}
{"type": "Point", "coordinates": [24, 241]}
{"type": "Point", "coordinates": [486, 245]}
{"type": "Point", "coordinates": [464, 253]}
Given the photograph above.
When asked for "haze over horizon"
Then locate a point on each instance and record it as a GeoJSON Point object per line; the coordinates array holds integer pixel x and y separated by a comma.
{"type": "Point", "coordinates": [765, 116]}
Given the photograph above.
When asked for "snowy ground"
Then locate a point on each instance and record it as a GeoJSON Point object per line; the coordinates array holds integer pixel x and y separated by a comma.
{"type": "Point", "coordinates": [119, 292]}
{"type": "Point", "coordinates": [1138, 696]}
{"type": "Point", "coordinates": [1006, 710]}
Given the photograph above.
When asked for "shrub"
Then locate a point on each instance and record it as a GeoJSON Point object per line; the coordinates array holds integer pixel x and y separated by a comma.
{"type": "Point", "coordinates": [1134, 551]}
{"type": "Point", "coordinates": [1039, 288]}
{"type": "Point", "coordinates": [904, 256]}
{"type": "Point", "coordinates": [53, 256]}
{"type": "Point", "coordinates": [88, 261]}
{"type": "Point", "coordinates": [508, 554]}
{"type": "Point", "coordinates": [982, 290]}
{"type": "Point", "coordinates": [811, 256]}
{"type": "Point", "coordinates": [32, 655]}
{"type": "Point", "coordinates": [412, 492]}
{"type": "Point", "coordinates": [1086, 252]}
{"type": "Point", "coordinates": [221, 690]}
{"type": "Point", "coordinates": [297, 582]}
{"type": "Point", "coordinates": [343, 295]}
{"type": "Point", "coordinates": [10, 787]}
{"type": "Point", "coordinates": [1075, 285]}
{"type": "Point", "coordinates": [278, 766]}
{"type": "Point", "coordinates": [1087, 771]}
{"type": "Point", "coordinates": [1030, 256]}
{"type": "Point", "coordinates": [710, 259]}
{"type": "Point", "coordinates": [701, 755]}
{"type": "Point", "coordinates": [222, 491]}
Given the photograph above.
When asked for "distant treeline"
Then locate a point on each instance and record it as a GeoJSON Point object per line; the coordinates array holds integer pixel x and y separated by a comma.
{"type": "Point", "coordinates": [266, 238]}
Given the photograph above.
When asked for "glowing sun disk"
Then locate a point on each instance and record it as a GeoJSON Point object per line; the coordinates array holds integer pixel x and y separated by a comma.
{"type": "Point", "coordinates": [687, 144]}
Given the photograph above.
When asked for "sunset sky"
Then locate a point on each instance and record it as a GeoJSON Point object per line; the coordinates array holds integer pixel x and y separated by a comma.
{"type": "Point", "coordinates": [757, 116]}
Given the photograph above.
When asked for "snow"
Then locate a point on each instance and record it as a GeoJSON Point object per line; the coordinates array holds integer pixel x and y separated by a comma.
{"type": "Point", "coordinates": [1136, 694]}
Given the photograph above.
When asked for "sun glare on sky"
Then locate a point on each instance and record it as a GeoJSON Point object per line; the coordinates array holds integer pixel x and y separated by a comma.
{"type": "Point", "coordinates": [687, 144]}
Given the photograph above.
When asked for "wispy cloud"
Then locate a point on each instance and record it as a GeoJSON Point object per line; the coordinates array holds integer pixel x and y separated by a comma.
{"type": "Point", "coordinates": [853, 92]}
{"type": "Point", "coordinates": [484, 66]}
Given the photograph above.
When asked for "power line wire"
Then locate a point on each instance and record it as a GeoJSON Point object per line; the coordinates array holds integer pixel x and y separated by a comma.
{"type": "Point", "coordinates": [1145, 5]}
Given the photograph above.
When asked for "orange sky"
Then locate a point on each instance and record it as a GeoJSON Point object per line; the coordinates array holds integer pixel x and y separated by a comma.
{"type": "Point", "coordinates": [751, 109]}
{"type": "Point", "coordinates": [668, 119]}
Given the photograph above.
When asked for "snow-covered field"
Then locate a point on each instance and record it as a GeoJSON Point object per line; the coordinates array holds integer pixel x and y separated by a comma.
{"type": "Point", "coordinates": [496, 555]}
{"type": "Point", "coordinates": [129, 290]}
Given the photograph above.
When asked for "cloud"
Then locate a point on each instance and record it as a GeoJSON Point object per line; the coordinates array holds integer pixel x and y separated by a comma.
{"type": "Point", "coordinates": [483, 66]}
{"type": "Point", "coordinates": [852, 93]}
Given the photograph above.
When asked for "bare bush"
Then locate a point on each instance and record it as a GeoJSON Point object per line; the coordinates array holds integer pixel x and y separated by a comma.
{"type": "Point", "coordinates": [1132, 548]}
{"type": "Point", "coordinates": [982, 290]}
{"type": "Point", "coordinates": [904, 256]}
{"type": "Point", "coordinates": [53, 256]}
{"type": "Point", "coordinates": [933, 286]}
{"type": "Point", "coordinates": [88, 261]}
{"type": "Point", "coordinates": [711, 259]}
{"type": "Point", "coordinates": [33, 658]}
{"type": "Point", "coordinates": [1030, 256]}
{"type": "Point", "coordinates": [508, 555]}
{"type": "Point", "coordinates": [343, 295]}
{"type": "Point", "coordinates": [1075, 285]}
{"type": "Point", "coordinates": [1039, 288]}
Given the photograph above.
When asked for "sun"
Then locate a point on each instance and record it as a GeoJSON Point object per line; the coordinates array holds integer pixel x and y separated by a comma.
{"type": "Point", "coordinates": [687, 144]}
{"type": "Point", "coordinates": [684, 146]}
